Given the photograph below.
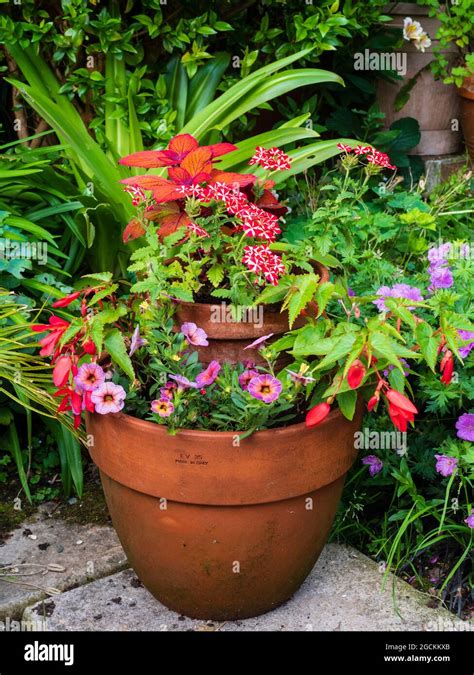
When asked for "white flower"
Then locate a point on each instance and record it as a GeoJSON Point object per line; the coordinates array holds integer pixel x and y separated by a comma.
{"type": "Point", "coordinates": [412, 30]}
{"type": "Point", "coordinates": [423, 42]}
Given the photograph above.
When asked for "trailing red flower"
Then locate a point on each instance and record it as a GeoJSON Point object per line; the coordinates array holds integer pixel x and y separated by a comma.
{"type": "Point", "coordinates": [447, 367]}
{"type": "Point", "coordinates": [373, 402]}
{"type": "Point", "coordinates": [64, 302]}
{"type": "Point", "coordinates": [89, 347]}
{"type": "Point", "coordinates": [400, 409]}
{"type": "Point", "coordinates": [356, 374]}
{"type": "Point", "coordinates": [56, 328]}
{"type": "Point", "coordinates": [62, 370]}
{"type": "Point", "coordinates": [317, 414]}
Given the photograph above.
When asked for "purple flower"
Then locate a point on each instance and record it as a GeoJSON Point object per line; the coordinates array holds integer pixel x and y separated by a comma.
{"type": "Point", "coordinates": [207, 377]}
{"type": "Point", "coordinates": [194, 335]}
{"type": "Point", "coordinates": [440, 254]}
{"type": "Point", "coordinates": [162, 407]}
{"type": "Point", "coordinates": [466, 335]}
{"type": "Point", "coordinates": [445, 465]}
{"type": "Point", "coordinates": [465, 427]}
{"type": "Point", "coordinates": [441, 277]}
{"type": "Point", "coordinates": [388, 370]}
{"type": "Point", "coordinates": [398, 291]}
{"type": "Point", "coordinates": [108, 398]}
{"type": "Point", "coordinates": [183, 382]}
{"type": "Point", "coordinates": [168, 390]}
{"type": "Point", "coordinates": [265, 387]}
{"type": "Point", "coordinates": [136, 341]}
{"type": "Point", "coordinates": [350, 292]}
{"type": "Point", "coordinates": [259, 341]}
{"type": "Point", "coordinates": [470, 520]}
{"type": "Point", "coordinates": [246, 376]}
{"type": "Point", "coordinates": [383, 292]}
{"type": "Point", "coordinates": [374, 463]}
{"type": "Point", "coordinates": [89, 376]}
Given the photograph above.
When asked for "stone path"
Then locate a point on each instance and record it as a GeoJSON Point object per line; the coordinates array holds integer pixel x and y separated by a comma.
{"type": "Point", "coordinates": [85, 564]}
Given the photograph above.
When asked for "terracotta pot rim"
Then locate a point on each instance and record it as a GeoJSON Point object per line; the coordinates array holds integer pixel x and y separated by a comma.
{"type": "Point", "coordinates": [203, 433]}
{"type": "Point", "coordinates": [467, 88]}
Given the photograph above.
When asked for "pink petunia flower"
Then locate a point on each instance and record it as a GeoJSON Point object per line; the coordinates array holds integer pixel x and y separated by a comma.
{"type": "Point", "coordinates": [246, 376]}
{"type": "Point", "coordinates": [162, 407]}
{"type": "Point", "coordinates": [207, 377]}
{"type": "Point", "coordinates": [258, 341]}
{"type": "Point", "coordinates": [108, 398]}
{"type": "Point", "coordinates": [194, 335]}
{"type": "Point", "coordinates": [183, 382]}
{"type": "Point", "coordinates": [89, 376]}
{"type": "Point", "coordinates": [266, 388]}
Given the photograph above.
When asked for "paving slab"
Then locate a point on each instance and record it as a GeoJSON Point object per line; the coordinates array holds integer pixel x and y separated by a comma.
{"type": "Point", "coordinates": [343, 593]}
{"type": "Point", "coordinates": [46, 556]}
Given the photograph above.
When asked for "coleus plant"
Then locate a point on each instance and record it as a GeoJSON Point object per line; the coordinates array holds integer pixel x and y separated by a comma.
{"type": "Point", "coordinates": [208, 233]}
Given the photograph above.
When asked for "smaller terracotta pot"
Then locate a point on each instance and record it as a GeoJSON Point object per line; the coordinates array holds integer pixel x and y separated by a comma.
{"type": "Point", "coordinates": [466, 93]}
{"type": "Point", "coordinates": [227, 339]}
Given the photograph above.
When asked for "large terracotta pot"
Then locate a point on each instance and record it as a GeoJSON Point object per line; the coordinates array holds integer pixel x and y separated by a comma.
{"type": "Point", "coordinates": [435, 105]}
{"type": "Point", "coordinates": [228, 338]}
{"type": "Point", "coordinates": [217, 530]}
{"type": "Point", "coordinates": [466, 94]}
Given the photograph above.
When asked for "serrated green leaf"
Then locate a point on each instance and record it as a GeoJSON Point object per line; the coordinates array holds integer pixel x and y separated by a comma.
{"type": "Point", "coordinates": [323, 295]}
{"type": "Point", "coordinates": [301, 296]}
{"type": "Point", "coordinates": [428, 344]}
{"type": "Point", "coordinates": [103, 293]}
{"type": "Point", "coordinates": [115, 346]}
{"type": "Point", "coordinates": [215, 274]}
{"type": "Point", "coordinates": [340, 349]}
{"type": "Point", "coordinates": [71, 332]}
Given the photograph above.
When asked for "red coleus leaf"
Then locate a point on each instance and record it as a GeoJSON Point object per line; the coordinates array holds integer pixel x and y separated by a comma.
{"type": "Point", "coordinates": [147, 159]}
{"type": "Point", "coordinates": [167, 192]}
{"type": "Point", "coordinates": [133, 230]}
{"type": "Point", "coordinates": [198, 163]}
{"type": "Point", "coordinates": [317, 414]}
{"type": "Point", "coordinates": [356, 374]}
{"type": "Point", "coordinates": [269, 202]}
{"type": "Point", "coordinates": [219, 149]}
{"type": "Point", "coordinates": [145, 182]}
{"type": "Point", "coordinates": [178, 148]}
{"type": "Point", "coordinates": [159, 211]}
{"type": "Point", "coordinates": [171, 223]}
{"type": "Point", "coordinates": [182, 145]}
